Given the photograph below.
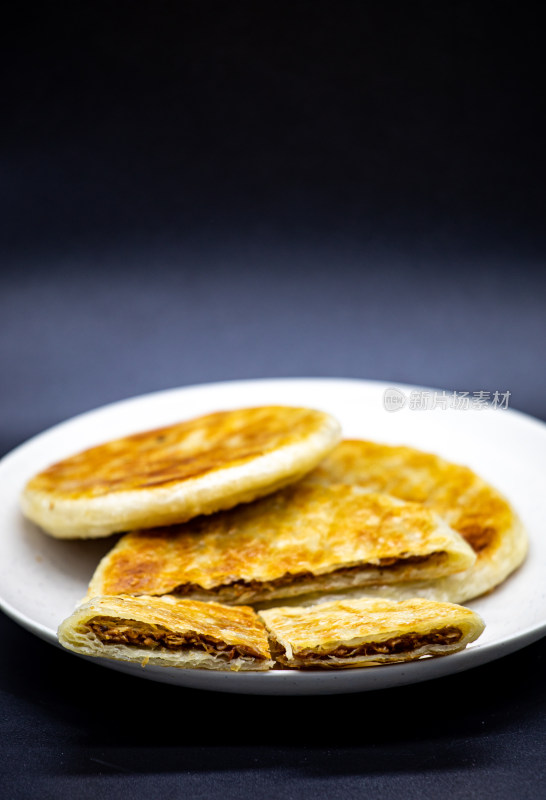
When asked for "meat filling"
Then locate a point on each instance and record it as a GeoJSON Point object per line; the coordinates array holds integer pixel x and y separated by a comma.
{"type": "Point", "coordinates": [399, 644]}
{"type": "Point", "coordinates": [242, 587]}
{"type": "Point", "coordinates": [141, 634]}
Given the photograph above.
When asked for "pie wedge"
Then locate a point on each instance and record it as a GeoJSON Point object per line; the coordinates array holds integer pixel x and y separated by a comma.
{"type": "Point", "coordinates": [301, 539]}
{"type": "Point", "coordinates": [368, 632]}
{"type": "Point", "coordinates": [465, 501]}
{"type": "Point", "coordinates": [171, 474]}
{"type": "Point", "coordinates": [168, 632]}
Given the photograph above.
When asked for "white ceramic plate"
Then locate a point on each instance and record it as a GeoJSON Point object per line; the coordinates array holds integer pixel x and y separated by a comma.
{"type": "Point", "coordinates": [41, 578]}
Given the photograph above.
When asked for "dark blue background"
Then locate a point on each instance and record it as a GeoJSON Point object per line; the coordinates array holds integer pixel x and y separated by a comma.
{"type": "Point", "coordinates": [200, 191]}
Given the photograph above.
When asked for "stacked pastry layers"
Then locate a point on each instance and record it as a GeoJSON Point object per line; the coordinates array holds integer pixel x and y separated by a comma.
{"type": "Point", "coordinates": [369, 546]}
{"type": "Point", "coordinates": [174, 632]}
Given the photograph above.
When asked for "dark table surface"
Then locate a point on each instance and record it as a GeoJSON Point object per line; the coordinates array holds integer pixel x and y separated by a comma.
{"type": "Point", "coordinates": [208, 191]}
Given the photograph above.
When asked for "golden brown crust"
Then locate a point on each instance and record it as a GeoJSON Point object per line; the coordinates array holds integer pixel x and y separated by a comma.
{"type": "Point", "coordinates": [176, 630]}
{"type": "Point", "coordinates": [365, 632]}
{"type": "Point", "coordinates": [464, 500]}
{"type": "Point", "coordinates": [295, 539]}
{"type": "Point", "coordinates": [173, 473]}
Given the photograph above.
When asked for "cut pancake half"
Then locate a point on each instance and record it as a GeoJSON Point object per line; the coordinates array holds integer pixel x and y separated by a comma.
{"type": "Point", "coordinates": [367, 632]}
{"type": "Point", "coordinates": [301, 539]}
{"type": "Point", "coordinates": [174, 473]}
{"type": "Point", "coordinates": [467, 503]}
{"type": "Point", "coordinates": [168, 632]}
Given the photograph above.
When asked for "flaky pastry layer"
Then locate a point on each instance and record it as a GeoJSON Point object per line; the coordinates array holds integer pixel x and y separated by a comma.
{"type": "Point", "coordinates": [295, 541]}
{"type": "Point", "coordinates": [168, 631]}
{"type": "Point", "coordinates": [476, 510]}
{"type": "Point", "coordinates": [174, 473]}
{"type": "Point", "coordinates": [367, 632]}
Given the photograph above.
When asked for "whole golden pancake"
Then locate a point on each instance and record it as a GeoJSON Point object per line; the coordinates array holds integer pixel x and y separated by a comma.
{"type": "Point", "coordinates": [174, 473]}
{"type": "Point", "coordinates": [465, 501]}
{"type": "Point", "coordinates": [298, 540]}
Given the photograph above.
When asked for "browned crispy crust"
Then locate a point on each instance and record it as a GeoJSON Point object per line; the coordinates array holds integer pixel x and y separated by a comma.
{"type": "Point", "coordinates": [299, 539]}
{"type": "Point", "coordinates": [476, 510]}
{"type": "Point", "coordinates": [168, 455]}
{"type": "Point", "coordinates": [368, 631]}
{"type": "Point", "coordinates": [168, 631]}
{"type": "Point", "coordinates": [174, 473]}
{"type": "Point", "coordinates": [470, 506]}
